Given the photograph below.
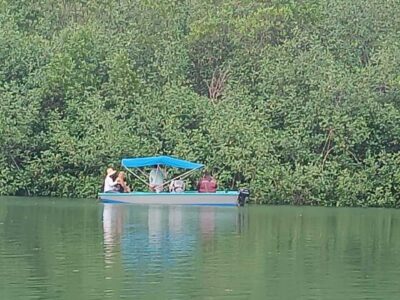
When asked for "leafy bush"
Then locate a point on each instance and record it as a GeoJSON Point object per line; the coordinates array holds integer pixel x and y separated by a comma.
{"type": "Point", "coordinates": [299, 101]}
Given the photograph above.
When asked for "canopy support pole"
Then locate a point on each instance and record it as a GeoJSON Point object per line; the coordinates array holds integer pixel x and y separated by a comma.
{"type": "Point", "coordinates": [184, 175]}
{"type": "Point", "coordinates": [138, 177]}
{"type": "Point", "coordinates": [143, 173]}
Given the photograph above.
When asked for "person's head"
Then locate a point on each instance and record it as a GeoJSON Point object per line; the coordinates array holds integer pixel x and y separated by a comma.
{"type": "Point", "coordinates": [122, 175]}
{"type": "Point", "coordinates": [207, 175]}
{"type": "Point", "coordinates": [155, 167]}
{"type": "Point", "coordinates": [114, 176]}
{"type": "Point", "coordinates": [111, 171]}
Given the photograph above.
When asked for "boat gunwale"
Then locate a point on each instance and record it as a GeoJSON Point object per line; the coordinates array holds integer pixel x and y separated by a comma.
{"type": "Point", "coordinates": [187, 193]}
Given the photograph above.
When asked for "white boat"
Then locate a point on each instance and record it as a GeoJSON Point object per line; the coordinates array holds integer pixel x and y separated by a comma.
{"type": "Point", "coordinates": [228, 198]}
{"type": "Point", "coordinates": [219, 198]}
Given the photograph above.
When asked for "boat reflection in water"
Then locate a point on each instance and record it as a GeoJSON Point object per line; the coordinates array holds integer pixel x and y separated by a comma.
{"type": "Point", "coordinates": [113, 219]}
{"type": "Point", "coordinates": [164, 235]}
{"type": "Point", "coordinates": [207, 222]}
{"type": "Point", "coordinates": [154, 227]}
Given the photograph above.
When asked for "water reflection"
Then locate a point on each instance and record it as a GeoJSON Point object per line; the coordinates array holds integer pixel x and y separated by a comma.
{"type": "Point", "coordinates": [175, 220]}
{"type": "Point", "coordinates": [147, 233]}
{"type": "Point", "coordinates": [242, 220]}
{"type": "Point", "coordinates": [72, 250]}
{"type": "Point", "coordinates": [207, 222]}
{"type": "Point", "coordinates": [307, 248]}
{"type": "Point", "coordinates": [113, 219]}
{"type": "Point", "coordinates": [154, 225]}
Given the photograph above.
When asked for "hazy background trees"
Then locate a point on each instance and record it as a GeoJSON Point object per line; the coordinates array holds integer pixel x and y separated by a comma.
{"type": "Point", "coordinates": [298, 100]}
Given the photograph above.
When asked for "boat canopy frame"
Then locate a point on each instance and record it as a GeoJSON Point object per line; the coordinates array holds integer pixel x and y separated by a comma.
{"type": "Point", "coordinates": [129, 163]}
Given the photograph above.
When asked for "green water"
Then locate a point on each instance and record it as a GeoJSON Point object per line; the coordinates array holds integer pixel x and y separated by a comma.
{"type": "Point", "coordinates": [81, 249]}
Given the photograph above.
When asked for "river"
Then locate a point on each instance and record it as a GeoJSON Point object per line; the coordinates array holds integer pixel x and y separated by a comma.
{"type": "Point", "coordinates": [82, 249]}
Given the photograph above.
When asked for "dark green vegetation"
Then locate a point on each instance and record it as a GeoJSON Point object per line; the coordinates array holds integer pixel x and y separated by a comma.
{"type": "Point", "coordinates": [298, 100]}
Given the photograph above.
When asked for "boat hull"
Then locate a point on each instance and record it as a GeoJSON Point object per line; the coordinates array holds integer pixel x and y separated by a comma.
{"type": "Point", "coordinates": [229, 198]}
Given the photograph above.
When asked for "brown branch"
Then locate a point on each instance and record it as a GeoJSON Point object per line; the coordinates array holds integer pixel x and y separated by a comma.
{"type": "Point", "coordinates": [217, 84]}
{"type": "Point", "coordinates": [326, 156]}
{"type": "Point", "coordinates": [327, 146]}
{"type": "Point", "coordinates": [354, 156]}
{"type": "Point", "coordinates": [328, 140]}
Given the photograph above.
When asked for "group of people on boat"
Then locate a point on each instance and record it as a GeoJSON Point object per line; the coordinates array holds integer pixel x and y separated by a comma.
{"type": "Point", "coordinates": [115, 182]}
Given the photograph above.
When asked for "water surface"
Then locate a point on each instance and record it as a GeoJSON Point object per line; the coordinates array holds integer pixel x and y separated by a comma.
{"type": "Point", "coordinates": [81, 249]}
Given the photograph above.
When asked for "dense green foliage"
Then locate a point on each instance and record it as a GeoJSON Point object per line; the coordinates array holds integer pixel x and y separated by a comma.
{"type": "Point", "coordinates": [298, 100]}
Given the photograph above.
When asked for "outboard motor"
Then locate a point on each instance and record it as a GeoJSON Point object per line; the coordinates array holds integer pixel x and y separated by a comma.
{"type": "Point", "coordinates": [244, 195]}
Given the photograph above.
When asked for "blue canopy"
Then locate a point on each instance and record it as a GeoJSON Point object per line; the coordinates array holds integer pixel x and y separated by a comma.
{"type": "Point", "coordinates": [159, 160]}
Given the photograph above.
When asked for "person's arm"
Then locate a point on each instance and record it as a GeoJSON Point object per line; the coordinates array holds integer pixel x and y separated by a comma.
{"type": "Point", "coordinates": [215, 184]}
{"type": "Point", "coordinates": [151, 177]}
{"type": "Point", "coordinates": [110, 182]}
{"type": "Point", "coordinates": [122, 183]}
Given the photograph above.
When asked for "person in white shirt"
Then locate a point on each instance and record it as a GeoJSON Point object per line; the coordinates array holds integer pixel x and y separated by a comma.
{"type": "Point", "coordinates": [177, 186]}
{"type": "Point", "coordinates": [110, 182]}
{"type": "Point", "coordinates": [156, 179]}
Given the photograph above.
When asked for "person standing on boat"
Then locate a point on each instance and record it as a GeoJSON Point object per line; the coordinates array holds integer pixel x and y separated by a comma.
{"type": "Point", "coordinates": [207, 184]}
{"type": "Point", "coordinates": [156, 179]}
{"type": "Point", "coordinates": [110, 183]}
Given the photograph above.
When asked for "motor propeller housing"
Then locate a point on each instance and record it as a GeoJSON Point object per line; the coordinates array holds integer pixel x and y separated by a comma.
{"type": "Point", "coordinates": [244, 195]}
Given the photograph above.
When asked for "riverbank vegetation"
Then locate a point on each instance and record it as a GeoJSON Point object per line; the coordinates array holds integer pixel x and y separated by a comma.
{"type": "Point", "coordinates": [297, 100]}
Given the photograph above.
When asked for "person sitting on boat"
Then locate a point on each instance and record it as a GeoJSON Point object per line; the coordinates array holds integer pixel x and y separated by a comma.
{"type": "Point", "coordinates": [122, 186]}
{"type": "Point", "coordinates": [110, 183]}
{"type": "Point", "coordinates": [207, 184]}
{"type": "Point", "coordinates": [156, 179]}
{"type": "Point", "coordinates": [177, 186]}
